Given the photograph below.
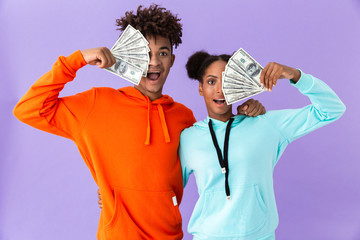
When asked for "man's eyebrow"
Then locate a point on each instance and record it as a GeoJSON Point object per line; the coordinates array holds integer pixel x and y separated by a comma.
{"type": "Point", "coordinates": [165, 47]}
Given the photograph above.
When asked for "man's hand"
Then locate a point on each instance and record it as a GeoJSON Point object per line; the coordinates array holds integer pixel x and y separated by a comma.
{"type": "Point", "coordinates": [100, 56]}
{"type": "Point", "coordinates": [274, 71]}
{"type": "Point", "coordinates": [251, 108]}
{"type": "Point", "coordinates": [99, 197]}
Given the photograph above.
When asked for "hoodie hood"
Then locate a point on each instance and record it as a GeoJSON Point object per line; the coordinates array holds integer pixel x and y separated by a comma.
{"type": "Point", "coordinates": [136, 95]}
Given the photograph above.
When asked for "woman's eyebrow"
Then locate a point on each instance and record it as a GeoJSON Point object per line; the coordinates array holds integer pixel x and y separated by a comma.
{"type": "Point", "coordinates": [212, 76]}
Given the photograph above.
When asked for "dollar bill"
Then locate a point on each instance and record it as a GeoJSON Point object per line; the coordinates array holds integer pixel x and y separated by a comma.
{"type": "Point", "coordinates": [239, 91]}
{"type": "Point", "coordinates": [126, 70]}
{"type": "Point", "coordinates": [241, 78]}
{"type": "Point", "coordinates": [131, 49]}
{"type": "Point", "coordinates": [141, 63]}
{"type": "Point", "coordinates": [242, 82]}
{"type": "Point", "coordinates": [138, 50]}
{"type": "Point", "coordinates": [251, 67]}
{"type": "Point", "coordinates": [232, 98]}
{"type": "Point", "coordinates": [129, 30]}
{"type": "Point", "coordinates": [139, 41]}
{"type": "Point", "coordinates": [236, 76]}
{"type": "Point", "coordinates": [232, 65]}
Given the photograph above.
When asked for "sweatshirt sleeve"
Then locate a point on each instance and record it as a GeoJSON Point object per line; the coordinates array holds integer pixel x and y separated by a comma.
{"type": "Point", "coordinates": [183, 154]}
{"type": "Point", "coordinates": [325, 108]}
{"type": "Point", "coordinates": [42, 108]}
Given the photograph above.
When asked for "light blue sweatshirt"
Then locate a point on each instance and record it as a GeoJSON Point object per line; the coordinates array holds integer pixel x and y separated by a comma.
{"type": "Point", "coordinates": [255, 147]}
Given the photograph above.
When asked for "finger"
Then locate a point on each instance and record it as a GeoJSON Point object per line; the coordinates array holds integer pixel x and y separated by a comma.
{"type": "Point", "coordinates": [255, 109]}
{"type": "Point", "coordinates": [107, 57]}
{"type": "Point", "coordinates": [258, 112]}
{"type": "Point", "coordinates": [246, 106]}
{"type": "Point", "coordinates": [263, 111]}
{"type": "Point", "coordinates": [98, 191]}
{"type": "Point", "coordinates": [262, 75]}
{"type": "Point", "coordinates": [110, 58]}
{"type": "Point", "coordinates": [272, 77]}
{"type": "Point", "coordinates": [267, 76]}
{"type": "Point", "coordinates": [104, 58]}
{"type": "Point", "coordinates": [241, 110]}
{"type": "Point", "coordinates": [113, 60]}
{"type": "Point", "coordinates": [252, 106]}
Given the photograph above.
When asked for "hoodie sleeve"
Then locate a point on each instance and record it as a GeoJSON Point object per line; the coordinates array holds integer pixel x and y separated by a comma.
{"type": "Point", "coordinates": [42, 108]}
{"type": "Point", "coordinates": [183, 154]}
{"type": "Point", "coordinates": [325, 108]}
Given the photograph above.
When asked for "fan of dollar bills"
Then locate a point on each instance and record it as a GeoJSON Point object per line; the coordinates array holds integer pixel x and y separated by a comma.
{"type": "Point", "coordinates": [241, 78]}
{"type": "Point", "coordinates": [131, 53]}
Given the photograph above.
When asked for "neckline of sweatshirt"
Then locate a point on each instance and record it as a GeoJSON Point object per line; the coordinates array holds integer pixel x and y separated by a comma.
{"type": "Point", "coordinates": [164, 100]}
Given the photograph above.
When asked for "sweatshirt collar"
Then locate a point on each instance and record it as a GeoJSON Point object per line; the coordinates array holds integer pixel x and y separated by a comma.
{"type": "Point", "coordinates": [132, 92]}
{"type": "Point", "coordinates": [218, 123]}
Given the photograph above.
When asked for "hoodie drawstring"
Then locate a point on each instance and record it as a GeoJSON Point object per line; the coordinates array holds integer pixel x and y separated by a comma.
{"type": "Point", "coordinates": [147, 141]}
{"type": "Point", "coordinates": [162, 120]}
{"type": "Point", "coordinates": [163, 123]}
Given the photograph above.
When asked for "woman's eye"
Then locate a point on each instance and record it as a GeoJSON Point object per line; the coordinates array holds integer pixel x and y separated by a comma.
{"type": "Point", "coordinates": [211, 82]}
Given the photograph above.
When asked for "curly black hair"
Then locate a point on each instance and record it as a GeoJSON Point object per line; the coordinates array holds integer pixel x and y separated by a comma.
{"type": "Point", "coordinates": [152, 21]}
{"type": "Point", "coordinates": [200, 61]}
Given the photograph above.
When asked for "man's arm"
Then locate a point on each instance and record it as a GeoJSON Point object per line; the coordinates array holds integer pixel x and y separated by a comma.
{"type": "Point", "coordinates": [41, 106]}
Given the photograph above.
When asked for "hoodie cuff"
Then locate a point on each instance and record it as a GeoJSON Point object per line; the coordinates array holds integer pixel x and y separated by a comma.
{"type": "Point", "coordinates": [75, 61]}
{"type": "Point", "coordinates": [305, 83]}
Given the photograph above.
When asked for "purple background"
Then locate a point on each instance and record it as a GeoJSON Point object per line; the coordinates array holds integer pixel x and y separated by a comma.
{"type": "Point", "coordinates": [47, 192]}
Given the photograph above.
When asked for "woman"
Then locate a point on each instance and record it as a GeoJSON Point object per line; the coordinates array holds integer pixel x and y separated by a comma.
{"type": "Point", "coordinates": [233, 157]}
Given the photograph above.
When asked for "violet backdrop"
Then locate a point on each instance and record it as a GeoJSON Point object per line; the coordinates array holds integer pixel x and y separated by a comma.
{"type": "Point", "coordinates": [47, 192]}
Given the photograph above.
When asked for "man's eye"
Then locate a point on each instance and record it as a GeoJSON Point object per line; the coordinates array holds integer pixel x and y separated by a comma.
{"type": "Point", "coordinates": [163, 54]}
{"type": "Point", "coordinates": [211, 82]}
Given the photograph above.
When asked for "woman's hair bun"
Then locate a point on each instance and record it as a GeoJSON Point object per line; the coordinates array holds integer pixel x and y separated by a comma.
{"type": "Point", "coordinates": [194, 63]}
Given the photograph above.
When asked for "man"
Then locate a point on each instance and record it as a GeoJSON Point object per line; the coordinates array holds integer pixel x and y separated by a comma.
{"type": "Point", "coordinates": [127, 137]}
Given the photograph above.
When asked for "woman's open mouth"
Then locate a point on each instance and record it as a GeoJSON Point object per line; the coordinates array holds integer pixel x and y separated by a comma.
{"type": "Point", "coordinates": [219, 101]}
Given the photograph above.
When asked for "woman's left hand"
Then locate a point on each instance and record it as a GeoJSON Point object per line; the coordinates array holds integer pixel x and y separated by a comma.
{"type": "Point", "coordinates": [251, 108]}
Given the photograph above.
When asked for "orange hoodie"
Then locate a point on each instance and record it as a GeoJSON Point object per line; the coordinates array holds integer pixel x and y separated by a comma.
{"type": "Point", "coordinates": [129, 144]}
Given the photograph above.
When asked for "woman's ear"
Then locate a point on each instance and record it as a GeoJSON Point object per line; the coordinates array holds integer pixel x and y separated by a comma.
{"type": "Point", "coordinates": [201, 92]}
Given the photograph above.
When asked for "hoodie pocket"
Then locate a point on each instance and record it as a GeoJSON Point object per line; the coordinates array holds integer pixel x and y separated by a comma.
{"type": "Point", "coordinates": [244, 214]}
{"type": "Point", "coordinates": [144, 215]}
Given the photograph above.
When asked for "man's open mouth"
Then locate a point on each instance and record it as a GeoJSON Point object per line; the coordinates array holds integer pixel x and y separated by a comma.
{"type": "Point", "coordinates": [153, 75]}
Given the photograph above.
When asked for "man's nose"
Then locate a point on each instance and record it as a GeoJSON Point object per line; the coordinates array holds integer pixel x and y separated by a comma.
{"type": "Point", "coordinates": [154, 60]}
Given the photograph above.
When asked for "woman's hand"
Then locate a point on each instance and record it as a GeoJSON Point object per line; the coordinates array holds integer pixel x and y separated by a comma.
{"type": "Point", "coordinates": [251, 108]}
{"type": "Point", "coordinates": [274, 71]}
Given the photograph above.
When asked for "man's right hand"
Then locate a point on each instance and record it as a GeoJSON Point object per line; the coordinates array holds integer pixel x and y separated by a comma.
{"type": "Point", "coordinates": [100, 56]}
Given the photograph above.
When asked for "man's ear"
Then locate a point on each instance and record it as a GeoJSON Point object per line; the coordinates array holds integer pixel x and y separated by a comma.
{"type": "Point", "coordinates": [172, 59]}
{"type": "Point", "coordinates": [201, 92]}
